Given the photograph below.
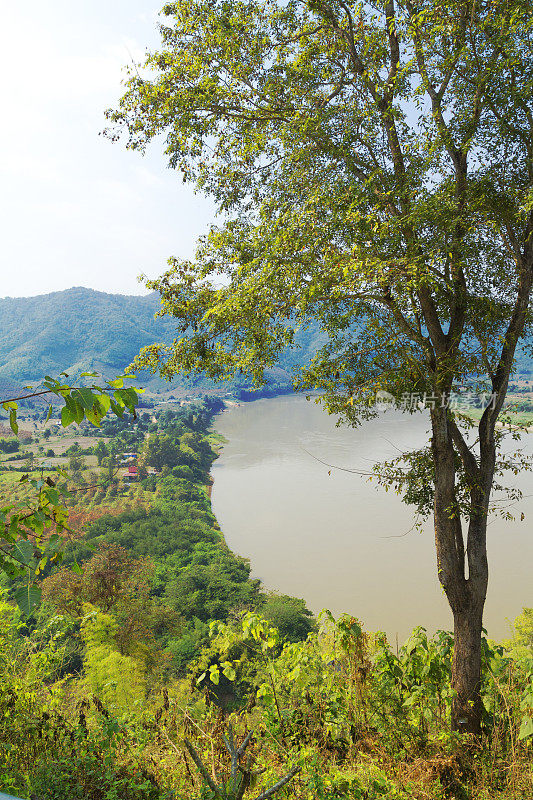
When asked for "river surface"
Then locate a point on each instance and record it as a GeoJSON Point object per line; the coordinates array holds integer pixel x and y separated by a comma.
{"type": "Point", "coordinates": [334, 538]}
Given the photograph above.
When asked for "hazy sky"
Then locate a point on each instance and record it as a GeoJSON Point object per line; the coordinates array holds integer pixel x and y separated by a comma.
{"type": "Point", "coordinates": [77, 210]}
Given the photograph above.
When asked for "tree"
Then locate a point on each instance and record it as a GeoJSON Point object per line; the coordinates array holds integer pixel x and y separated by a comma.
{"type": "Point", "coordinates": [76, 465]}
{"type": "Point", "coordinates": [9, 445]}
{"type": "Point", "coordinates": [63, 589]}
{"type": "Point", "coordinates": [117, 584]}
{"type": "Point", "coordinates": [112, 574]}
{"type": "Point", "coordinates": [100, 451]}
{"type": "Point", "coordinates": [289, 615]}
{"type": "Point", "coordinates": [522, 641]}
{"type": "Point", "coordinates": [160, 450]}
{"type": "Point", "coordinates": [118, 679]}
{"type": "Point", "coordinates": [374, 164]}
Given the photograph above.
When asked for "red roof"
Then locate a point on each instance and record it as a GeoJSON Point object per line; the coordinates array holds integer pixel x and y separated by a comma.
{"type": "Point", "coordinates": [132, 469]}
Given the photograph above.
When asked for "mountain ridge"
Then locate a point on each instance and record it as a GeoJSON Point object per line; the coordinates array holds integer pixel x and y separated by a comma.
{"type": "Point", "coordinates": [76, 329]}
{"type": "Point", "coordinates": [81, 329]}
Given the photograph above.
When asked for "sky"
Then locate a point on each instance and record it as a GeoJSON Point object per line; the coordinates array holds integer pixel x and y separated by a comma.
{"type": "Point", "coordinates": [75, 208]}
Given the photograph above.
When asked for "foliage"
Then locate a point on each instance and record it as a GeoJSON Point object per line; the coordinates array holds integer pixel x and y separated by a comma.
{"type": "Point", "coordinates": [523, 631]}
{"type": "Point", "coordinates": [26, 543]}
{"type": "Point", "coordinates": [9, 445]}
{"type": "Point", "coordinates": [88, 329]}
{"type": "Point", "coordinates": [100, 451]}
{"type": "Point", "coordinates": [372, 165]}
{"type": "Point", "coordinates": [289, 615]}
{"type": "Point", "coordinates": [164, 572]}
{"type": "Point", "coordinates": [358, 719]}
{"type": "Point", "coordinates": [118, 587]}
{"type": "Point", "coordinates": [160, 450]}
{"type": "Point", "coordinates": [342, 241]}
{"type": "Point", "coordinates": [117, 679]}
{"type": "Point", "coordinates": [92, 705]}
{"type": "Point", "coordinates": [234, 786]}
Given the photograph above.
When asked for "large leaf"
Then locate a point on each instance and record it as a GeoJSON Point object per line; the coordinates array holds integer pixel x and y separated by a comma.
{"type": "Point", "coordinates": [526, 728]}
{"type": "Point", "coordinates": [28, 599]}
{"type": "Point", "coordinates": [67, 417]}
{"type": "Point", "coordinates": [86, 398]}
{"type": "Point", "coordinates": [23, 551]}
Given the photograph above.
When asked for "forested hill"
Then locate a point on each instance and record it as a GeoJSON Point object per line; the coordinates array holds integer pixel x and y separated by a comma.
{"type": "Point", "coordinates": [75, 329]}
{"type": "Point", "coordinates": [82, 329]}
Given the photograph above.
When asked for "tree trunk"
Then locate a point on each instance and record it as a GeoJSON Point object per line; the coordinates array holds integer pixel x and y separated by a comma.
{"type": "Point", "coordinates": [466, 675]}
{"type": "Point", "coordinates": [466, 595]}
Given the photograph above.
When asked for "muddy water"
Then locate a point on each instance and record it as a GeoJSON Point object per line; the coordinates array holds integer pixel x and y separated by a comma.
{"type": "Point", "coordinates": [330, 536]}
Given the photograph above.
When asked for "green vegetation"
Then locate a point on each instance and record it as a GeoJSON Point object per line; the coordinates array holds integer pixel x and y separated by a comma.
{"type": "Point", "coordinates": [33, 519]}
{"type": "Point", "coordinates": [152, 639]}
{"type": "Point", "coordinates": [161, 528]}
{"type": "Point", "coordinates": [90, 330]}
{"type": "Point", "coordinates": [9, 445]}
{"type": "Point", "coordinates": [342, 713]}
{"type": "Point", "coordinates": [360, 158]}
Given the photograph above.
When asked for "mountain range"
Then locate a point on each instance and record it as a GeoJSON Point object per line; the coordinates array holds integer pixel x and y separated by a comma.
{"type": "Point", "coordinates": [74, 330]}
{"type": "Point", "coordinates": [82, 329]}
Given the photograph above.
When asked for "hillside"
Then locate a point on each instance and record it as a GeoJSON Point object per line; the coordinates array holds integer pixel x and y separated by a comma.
{"type": "Point", "coordinates": [81, 329]}
{"type": "Point", "coordinates": [75, 329]}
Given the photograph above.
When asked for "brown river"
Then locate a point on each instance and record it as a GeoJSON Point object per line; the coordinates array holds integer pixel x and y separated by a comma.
{"type": "Point", "coordinates": [333, 537]}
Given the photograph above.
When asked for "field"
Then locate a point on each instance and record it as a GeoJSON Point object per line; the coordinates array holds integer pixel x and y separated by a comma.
{"type": "Point", "coordinates": [514, 413]}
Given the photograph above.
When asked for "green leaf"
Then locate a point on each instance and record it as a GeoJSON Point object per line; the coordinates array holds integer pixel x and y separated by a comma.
{"type": "Point", "coordinates": [130, 397]}
{"type": "Point", "coordinates": [67, 417]}
{"type": "Point", "coordinates": [54, 541]}
{"type": "Point", "coordinates": [79, 412]}
{"type": "Point", "coordinates": [86, 398]}
{"type": "Point", "coordinates": [93, 418]}
{"type": "Point", "coordinates": [229, 672]}
{"type": "Point", "coordinates": [23, 550]}
{"type": "Point", "coordinates": [214, 674]}
{"type": "Point", "coordinates": [104, 403]}
{"type": "Point", "coordinates": [116, 409]}
{"type": "Point", "coordinates": [76, 568]}
{"type": "Point", "coordinates": [118, 383]}
{"type": "Point", "coordinates": [526, 728]}
{"type": "Point", "coordinates": [28, 598]}
{"type": "Point", "coordinates": [13, 421]}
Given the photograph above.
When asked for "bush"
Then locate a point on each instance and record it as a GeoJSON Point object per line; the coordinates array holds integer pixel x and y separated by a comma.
{"type": "Point", "coordinates": [289, 615]}
{"type": "Point", "coordinates": [9, 445]}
